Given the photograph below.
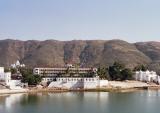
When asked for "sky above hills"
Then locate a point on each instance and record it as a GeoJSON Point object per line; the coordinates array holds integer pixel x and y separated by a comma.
{"type": "Point", "coordinates": [136, 20]}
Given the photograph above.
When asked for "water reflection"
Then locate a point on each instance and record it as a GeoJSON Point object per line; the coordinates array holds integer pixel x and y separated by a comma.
{"type": "Point", "coordinates": [81, 102]}
{"type": "Point", "coordinates": [11, 100]}
{"type": "Point", "coordinates": [31, 99]}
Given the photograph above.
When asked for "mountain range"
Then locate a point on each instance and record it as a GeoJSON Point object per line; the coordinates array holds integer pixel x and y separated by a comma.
{"type": "Point", "coordinates": [87, 53]}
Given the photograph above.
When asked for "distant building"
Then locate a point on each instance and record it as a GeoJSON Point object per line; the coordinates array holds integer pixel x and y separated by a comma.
{"type": "Point", "coordinates": [5, 79]}
{"type": "Point", "coordinates": [17, 64]}
{"type": "Point", "coordinates": [49, 74]}
{"type": "Point", "coordinates": [147, 76]}
{"type": "Point", "coordinates": [71, 77]}
{"type": "Point", "coordinates": [69, 65]}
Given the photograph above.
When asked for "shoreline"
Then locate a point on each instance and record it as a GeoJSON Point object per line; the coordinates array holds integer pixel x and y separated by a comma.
{"type": "Point", "coordinates": [114, 86]}
{"type": "Point", "coordinates": [46, 90]}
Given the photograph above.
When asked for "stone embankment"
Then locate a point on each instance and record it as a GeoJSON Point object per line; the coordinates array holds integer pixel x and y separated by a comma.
{"type": "Point", "coordinates": [113, 86]}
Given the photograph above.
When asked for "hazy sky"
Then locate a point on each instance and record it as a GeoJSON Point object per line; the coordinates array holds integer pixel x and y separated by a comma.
{"type": "Point", "coordinates": [130, 20]}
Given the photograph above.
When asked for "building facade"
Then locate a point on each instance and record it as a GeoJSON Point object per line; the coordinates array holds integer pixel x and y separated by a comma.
{"type": "Point", "coordinates": [78, 83]}
{"type": "Point", "coordinates": [71, 78]}
{"type": "Point", "coordinates": [5, 79]}
{"type": "Point", "coordinates": [49, 74]}
{"type": "Point", "coordinates": [147, 76]}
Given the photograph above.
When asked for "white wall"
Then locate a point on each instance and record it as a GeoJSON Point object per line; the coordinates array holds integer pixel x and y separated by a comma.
{"type": "Point", "coordinates": [103, 83]}
{"type": "Point", "coordinates": [47, 79]}
{"type": "Point", "coordinates": [6, 77]}
{"type": "Point", "coordinates": [73, 83]}
{"type": "Point", "coordinates": [15, 84]}
{"type": "Point", "coordinates": [146, 76]}
{"type": "Point", "coordinates": [1, 69]}
{"type": "Point", "coordinates": [2, 75]}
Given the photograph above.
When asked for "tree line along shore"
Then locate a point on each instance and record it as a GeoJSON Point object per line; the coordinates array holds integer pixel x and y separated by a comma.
{"type": "Point", "coordinates": [120, 78]}
{"type": "Point", "coordinates": [116, 72]}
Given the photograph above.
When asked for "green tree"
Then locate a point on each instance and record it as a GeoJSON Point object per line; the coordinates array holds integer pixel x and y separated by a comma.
{"type": "Point", "coordinates": [77, 68]}
{"type": "Point", "coordinates": [103, 73]}
{"type": "Point", "coordinates": [140, 67]}
{"type": "Point", "coordinates": [126, 74]}
{"type": "Point", "coordinates": [68, 72]}
{"type": "Point", "coordinates": [119, 72]}
{"type": "Point", "coordinates": [89, 74]}
{"type": "Point", "coordinates": [33, 79]}
{"type": "Point", "coordinates": [6, 70]}
{"type": "Point", "coordinates": [115, 71]}
{"type": "Point", "coordinates": [25, 71]}
{"type": "Point", "coordinates": [13, 70]}
{"type": "Point", "coordinates": [29, 77]}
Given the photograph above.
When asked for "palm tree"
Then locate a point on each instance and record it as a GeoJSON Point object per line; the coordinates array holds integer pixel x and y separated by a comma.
{"type": "Point", "coordinates": [77, 69]}
{"type": "Point", "coordinates": [67, 72]}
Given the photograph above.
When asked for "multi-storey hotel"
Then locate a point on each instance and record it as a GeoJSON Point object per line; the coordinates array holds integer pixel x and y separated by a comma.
{"type": "Point", "coordinates": [71, 77]}
{"type": "Point", "coordinates": [48, 74]}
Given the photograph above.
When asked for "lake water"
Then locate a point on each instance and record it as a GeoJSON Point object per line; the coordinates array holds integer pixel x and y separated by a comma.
{"type": "Point", "coordinates": [82, 102]}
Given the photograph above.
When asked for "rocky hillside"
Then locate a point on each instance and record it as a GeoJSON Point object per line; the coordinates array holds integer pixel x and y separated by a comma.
{"type": "Point", "coordinates": [152, 50]}
{"type": "Point", "coordinates": [86, 53]}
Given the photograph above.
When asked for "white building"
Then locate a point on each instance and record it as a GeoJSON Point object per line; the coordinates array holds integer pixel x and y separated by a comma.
{"type": "Point", "coordinates": [49, 74]}
{"type": "Point", "coordinates": [78, 83]}
{"type": "Point", "coordinates": [82, 78]}
{"type": "Point", "coordinates": [147, 76]}
{"type": "Point", "coordinates": [5, 79]}
{"type": "Point", "coordinates": [17, 64]}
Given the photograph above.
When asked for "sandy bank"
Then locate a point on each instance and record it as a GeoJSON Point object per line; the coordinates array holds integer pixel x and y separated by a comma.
{"type": "Point", "coordinates": [9, 91]}
{"type": "Point", "coordinates": [114, 86]}
{"type": "Point", "coordinates": [128, 84]}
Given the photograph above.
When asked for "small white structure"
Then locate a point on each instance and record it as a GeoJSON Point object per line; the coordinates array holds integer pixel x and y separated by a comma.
{"type": "Point", "coordinates": [69, 66]}
{"type": "Point", "coordinates": [17, 64]}
{"type": "Point", "coordinates": [47, 79]}
{"type": "Point", "coordinates": [5, 79]}
{"type": "Point", "coordinates": [147, 76]}
{"type": "Point", "coordinates": [78, 83]}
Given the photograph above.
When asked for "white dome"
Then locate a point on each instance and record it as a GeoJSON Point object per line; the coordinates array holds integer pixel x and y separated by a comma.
{"type": "Point", "coordinates": [18, 63]}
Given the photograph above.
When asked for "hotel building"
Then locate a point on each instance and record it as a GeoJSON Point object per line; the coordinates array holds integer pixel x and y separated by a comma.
{"type": "Point", "coordinates": [49, 74]}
